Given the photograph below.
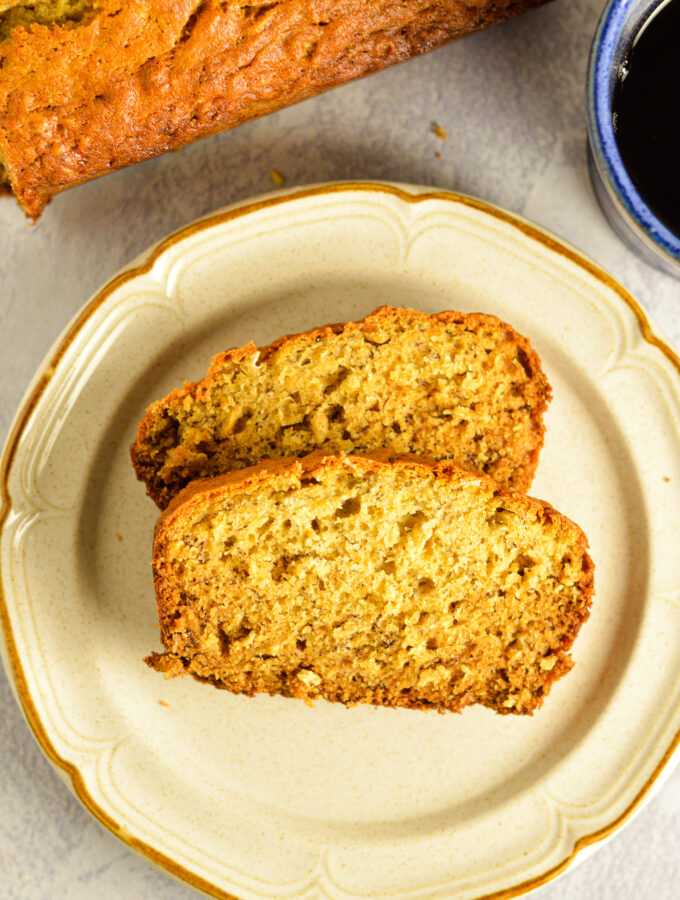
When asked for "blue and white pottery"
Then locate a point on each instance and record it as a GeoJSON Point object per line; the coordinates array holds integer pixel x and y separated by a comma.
{"type": "Point", "coordinates": [626, 211]}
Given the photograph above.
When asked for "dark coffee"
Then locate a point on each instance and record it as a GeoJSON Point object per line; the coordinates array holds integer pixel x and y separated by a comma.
{"type": "Point", "coordinates": [646, 113]}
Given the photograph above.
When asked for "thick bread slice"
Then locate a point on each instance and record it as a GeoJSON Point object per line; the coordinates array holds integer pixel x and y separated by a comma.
{"type": "Point", "coordinates": [452, 386]}
{"type": "Point", "coordinates": [370, 579]}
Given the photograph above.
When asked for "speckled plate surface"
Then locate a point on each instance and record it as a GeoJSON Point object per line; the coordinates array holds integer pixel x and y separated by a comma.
{"type": "Point", "coordinates": [266, 797]}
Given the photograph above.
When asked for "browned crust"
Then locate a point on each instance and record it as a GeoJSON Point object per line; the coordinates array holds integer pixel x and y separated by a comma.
{"type": "Point", "coordinates": [171, 666]}
{"type": "Point", "coordinates": [138, 78]}
{"type": "Point", "coordinates": [145, 465]}
{"type": "Point", "coordinates": [314, 467]}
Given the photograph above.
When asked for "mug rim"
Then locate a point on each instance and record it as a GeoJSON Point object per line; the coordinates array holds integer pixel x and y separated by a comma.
{"type": "Point", "coordinates": [601, 131]}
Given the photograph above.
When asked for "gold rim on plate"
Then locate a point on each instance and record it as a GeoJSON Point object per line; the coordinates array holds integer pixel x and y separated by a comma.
{"type": "Point", "coordinates": [43, 377]}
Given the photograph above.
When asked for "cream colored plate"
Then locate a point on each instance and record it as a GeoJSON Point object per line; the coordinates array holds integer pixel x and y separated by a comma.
{"type": "Point", "coordinates": [266, 797]}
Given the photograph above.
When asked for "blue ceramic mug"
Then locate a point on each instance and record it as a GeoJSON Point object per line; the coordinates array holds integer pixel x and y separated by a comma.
{"type": "Point", "coordinates": [626, 211]}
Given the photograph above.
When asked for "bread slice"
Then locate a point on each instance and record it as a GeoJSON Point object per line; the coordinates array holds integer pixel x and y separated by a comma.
{"type": "Point", "coordinates": [451, 386]}
{"type": "Point", "coordinates": [370, 579]}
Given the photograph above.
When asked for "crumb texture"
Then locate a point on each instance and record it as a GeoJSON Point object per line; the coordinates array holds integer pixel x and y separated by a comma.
{"type": "Point", "coordinates": [453, 386]}
{"type": "Point", "coordinates": [91, 87]}
{"type": "Point", "coordinates": [23, 13]}
{"type": "Point", "coordinates": [370, 579]}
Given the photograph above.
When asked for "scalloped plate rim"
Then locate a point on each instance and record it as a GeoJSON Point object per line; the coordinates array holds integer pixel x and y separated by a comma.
{"type": "Point", "coordinates": [142, 264]}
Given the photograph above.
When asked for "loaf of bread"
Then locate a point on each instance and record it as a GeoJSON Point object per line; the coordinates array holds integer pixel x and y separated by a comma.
{"type": "Point", "coordinates": [452, 386]}
{"type": "Point", "coordinates": [90, 86]}
{"type": "Point", "coordinates": [379, 579]}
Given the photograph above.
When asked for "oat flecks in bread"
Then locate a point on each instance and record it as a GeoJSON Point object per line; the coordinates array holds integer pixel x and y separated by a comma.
{"type": "Point", "coordinates": [378, 579]}
{"type": "Point", "coordinates": [90, 86]}
{"type": "Point", "coordinates": [451, 386]}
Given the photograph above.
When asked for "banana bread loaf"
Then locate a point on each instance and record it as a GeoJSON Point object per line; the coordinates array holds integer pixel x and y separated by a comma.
{"type": "Point", "coordinates": [89, 86]}
{"type": "Point", "coordinates": [370, 579]}
{"type": "Point", "coordinates": [452, 386]}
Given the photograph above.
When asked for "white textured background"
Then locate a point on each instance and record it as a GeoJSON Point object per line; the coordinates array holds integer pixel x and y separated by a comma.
{"type": "Point", "coordinates": [512, 102]}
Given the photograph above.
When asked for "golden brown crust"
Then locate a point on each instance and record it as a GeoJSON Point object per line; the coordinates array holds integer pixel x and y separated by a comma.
{"type": "Point", "coordinates": [270, 475]}
{"type": "Point", "coordinates": [125, 80]}
{"type": "Point", "coordinates": [512, 459]}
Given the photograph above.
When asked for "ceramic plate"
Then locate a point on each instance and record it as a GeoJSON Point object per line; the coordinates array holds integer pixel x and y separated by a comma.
{"type": "Point", "coordinates": [265, 797]}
